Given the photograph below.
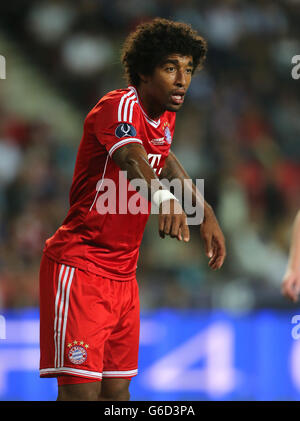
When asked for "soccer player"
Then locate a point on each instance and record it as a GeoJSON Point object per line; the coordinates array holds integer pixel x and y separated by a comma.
{"type": "Point", "coordinates": [291, 279]}
{"type": "Point", "coordinates": [89, 304]}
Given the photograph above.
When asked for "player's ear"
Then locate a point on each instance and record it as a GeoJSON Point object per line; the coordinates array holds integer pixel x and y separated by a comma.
{"type": "Point", "coordinates": [143, 78]}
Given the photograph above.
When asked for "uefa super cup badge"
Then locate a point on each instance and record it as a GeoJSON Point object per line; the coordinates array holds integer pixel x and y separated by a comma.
{"type": "Point", "coordinates": [167, 132]}
{"type": "Point", "coordinates": [77, 352]}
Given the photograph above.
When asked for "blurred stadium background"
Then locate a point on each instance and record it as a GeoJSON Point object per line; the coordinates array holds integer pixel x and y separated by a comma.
{"type": "Point", "coordinates": [205, 335]}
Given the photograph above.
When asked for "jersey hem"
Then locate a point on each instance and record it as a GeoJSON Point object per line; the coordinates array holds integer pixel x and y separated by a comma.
{"type": "Point", "coordinates": [87, 268]}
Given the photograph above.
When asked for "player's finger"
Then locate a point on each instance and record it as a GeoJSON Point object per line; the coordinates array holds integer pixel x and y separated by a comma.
{"type": "Point", "coordinates": [185, 231]}
{"type": "Point", "coordinates": [293, 294]}
{"type": "Point", "coordinates": [161, 225]}
{"type": "Point", "coordinates": [214, 255]}
{"type": "Point", "coordinates": [219, 253]}
{"type": "Point", "coordinates": [175, 228]}
{"type": "Point", "coordinates": [179, 237]}
{"type": "Point", "coordinates": [297, 290]}
{"type": "Point", "coordinates": [217, 264]}
{"type": "Point", "coordinates": [208, 245]}
{"type": "Point", "coordinates": [168, 224]}
{"type": "Point", "coordinates": [214, 262]}
{"type": "Point", "coordinates": [288, 290]}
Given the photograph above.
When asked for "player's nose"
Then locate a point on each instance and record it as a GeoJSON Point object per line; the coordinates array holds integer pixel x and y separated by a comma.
{"type": "Point", "coordinates": [180, 79]}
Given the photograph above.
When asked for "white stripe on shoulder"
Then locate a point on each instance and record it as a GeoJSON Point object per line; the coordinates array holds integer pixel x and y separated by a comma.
{"type": "Point", "coordinates": [131, 110]}
{"type": "Point", "coordinates": [128, 100]}
{"type": "Point", "coordinates": [121, 105]}
{"type": "Point", "coordinates": [124, 142]}
{"type": "Point", "coordinates": [130, 94]}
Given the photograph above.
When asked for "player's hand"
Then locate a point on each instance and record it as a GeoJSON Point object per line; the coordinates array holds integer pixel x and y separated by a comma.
{"type": "Point", "coordinates": [214, 241]}
{"type": "Point", "coordinates": [291, 285]}
{"type": "Point", "coordinates": [173, 221]}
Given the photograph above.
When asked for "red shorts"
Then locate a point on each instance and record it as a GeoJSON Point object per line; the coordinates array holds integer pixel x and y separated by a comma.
{"type": "Point", "coordinates": [89, 324]}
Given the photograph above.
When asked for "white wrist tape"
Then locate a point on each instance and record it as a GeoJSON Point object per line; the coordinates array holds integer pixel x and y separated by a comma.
{"type": "Point", "coordinates": [162, 195]}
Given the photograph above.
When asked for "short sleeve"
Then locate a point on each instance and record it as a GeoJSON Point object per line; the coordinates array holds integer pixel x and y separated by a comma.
{"type": "Point", "coordinates": [116, 123]}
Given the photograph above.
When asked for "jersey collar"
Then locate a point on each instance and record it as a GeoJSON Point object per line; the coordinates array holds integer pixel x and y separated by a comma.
{"type": "Point", "coordinates": [154, 123]}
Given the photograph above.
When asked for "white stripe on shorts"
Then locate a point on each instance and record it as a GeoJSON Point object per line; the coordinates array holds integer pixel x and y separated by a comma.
{"type": "Point", "coordinates": [128, 373]}
{"type": "Point", "coordinates": [61, 313]}
{"type": "Point", "coordinates": [73, 371]}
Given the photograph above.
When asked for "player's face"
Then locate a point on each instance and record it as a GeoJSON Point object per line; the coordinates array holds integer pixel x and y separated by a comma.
{"type": "Point", "coordinates": [167, 86]}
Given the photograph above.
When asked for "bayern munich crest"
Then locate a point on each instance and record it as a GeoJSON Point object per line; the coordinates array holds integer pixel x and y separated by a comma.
{"type": "Point", "coordinates": [78, 352]}
{"type": "Point", "coordinates": [167, 133]}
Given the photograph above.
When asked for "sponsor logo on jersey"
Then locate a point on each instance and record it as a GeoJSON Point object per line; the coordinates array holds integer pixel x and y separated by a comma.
{"type": "Point", "coordinates": [159, 141]}
{"type": "Point", "coordinates": [78, 352]}
{"type": "Point", "coordinates": [125, 130]}
{"type": "Point", "coordinates": [167, 133]}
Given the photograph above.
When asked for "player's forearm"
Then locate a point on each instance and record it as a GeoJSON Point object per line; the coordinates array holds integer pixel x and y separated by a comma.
{"type": "Point", "coordinates": [174, 170]}
{"type": "Point", "coordinates": [133, 159]}
{"type": "Point", "coordinates": [294, 255]}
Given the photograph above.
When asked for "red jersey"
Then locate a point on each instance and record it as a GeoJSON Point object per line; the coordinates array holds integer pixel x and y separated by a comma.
{"type": "Point", "coordinates": [108, 243]}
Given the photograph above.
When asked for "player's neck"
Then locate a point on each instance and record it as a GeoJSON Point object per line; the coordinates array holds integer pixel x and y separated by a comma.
{"type": "Point", "coordinates": [150, 106]}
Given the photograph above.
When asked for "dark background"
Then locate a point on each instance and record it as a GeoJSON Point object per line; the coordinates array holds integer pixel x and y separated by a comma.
{"type": "Point", "coordinates": [239, 130]}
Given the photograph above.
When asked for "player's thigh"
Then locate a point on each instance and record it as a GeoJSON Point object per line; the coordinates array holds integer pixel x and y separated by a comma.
{"type": "Point", "coordinates": [121, 348]}
{"type": "Point", "coordinates": [115, 389]}
{"type": "Point", "coordinates": [79, 392]}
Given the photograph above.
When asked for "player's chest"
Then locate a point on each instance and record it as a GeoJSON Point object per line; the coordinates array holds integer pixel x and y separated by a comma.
{"type": "Point", "coordinates": [156, 139]}
{"type": "Point", "coordinates": [157, 142]}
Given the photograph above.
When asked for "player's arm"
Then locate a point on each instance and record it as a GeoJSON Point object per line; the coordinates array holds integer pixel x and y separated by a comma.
{"type": "Point", "coordinates": [211, 233]}
{"type": "Point", "coordinates": [291, 279]}
{"type": "Point", "coordinates": [133, 159]}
